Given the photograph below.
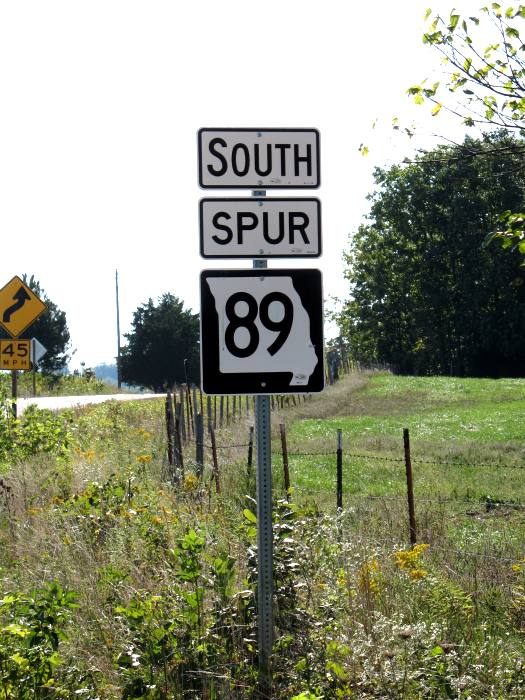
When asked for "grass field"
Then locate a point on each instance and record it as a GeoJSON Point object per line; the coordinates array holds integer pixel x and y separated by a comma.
{"type": "Point", "coordinates": [454, 424]}
{"type": "Point", "coordinates": [120, 582]}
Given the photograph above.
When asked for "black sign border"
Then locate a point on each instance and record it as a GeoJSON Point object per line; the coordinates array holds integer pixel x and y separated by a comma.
{"type": "Point", "coordinates": [308, 285]}
{"type": "Point", "coordinates": [245, 200]}
{"type": "Point", "coordinates": [255, 185]}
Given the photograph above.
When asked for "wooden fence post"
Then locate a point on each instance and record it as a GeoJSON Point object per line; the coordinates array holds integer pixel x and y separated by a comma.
{"type": "Point", "coordinates": [410, 488]}
{"type": "Point", "coordinates": [339, 469]}
{"type": "Point", "coordinates": [179, 460]}
{"type": "Point", "coordinates": [199, 443]}
{"type": "Point", "coordinates": [215, 462]}
{"type": "Point", "coordinates": [208, 411]}
{"type": "Point", "coordinates": [181, 416]}
{"type": "Point", "coordinates": [170, 427]}
{"type": "Point", "coordinates": [286, 471]}
{"type": "Point", "coordinates": [195, 407]}
{"type": "Point", "coordinates": [189, 411]}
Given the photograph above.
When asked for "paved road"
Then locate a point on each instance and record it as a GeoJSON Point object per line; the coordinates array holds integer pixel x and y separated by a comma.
{"type": "Point", "coordinates": [55, 402]}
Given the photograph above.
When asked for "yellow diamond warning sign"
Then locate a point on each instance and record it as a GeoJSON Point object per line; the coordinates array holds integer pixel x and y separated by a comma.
{"type": "Point", "coordinates": [19, 307]}
{"type": "Point", "coordinates": [14, 354]}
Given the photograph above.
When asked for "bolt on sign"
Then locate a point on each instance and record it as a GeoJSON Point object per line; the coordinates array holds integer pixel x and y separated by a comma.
{"type": "Point", "coordinates": [15, 354]}
{"type": "Point", "coordinates": [19, 307]}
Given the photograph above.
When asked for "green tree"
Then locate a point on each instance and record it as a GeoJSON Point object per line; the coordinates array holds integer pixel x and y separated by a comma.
{"type": "Point", "coordinates": [426, 295]}
{"type": "Point", "coordinates": [163, 347]}
{"type": "Point", "coordinates": [483, 65]}
{"type": "Point", "coordinates": [50, 329]}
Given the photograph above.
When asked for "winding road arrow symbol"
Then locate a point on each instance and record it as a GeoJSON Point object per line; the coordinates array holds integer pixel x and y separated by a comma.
{"type": "Point", "coordinates": [21, 297]}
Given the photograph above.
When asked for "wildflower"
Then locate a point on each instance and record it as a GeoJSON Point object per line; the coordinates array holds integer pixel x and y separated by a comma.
{"type": "Point", "coordinates": [417, 574]}
{"type": "Point", "coordinates": [408, 560]}
{"type": "Point", "coordinates": [190, 482]}
{"type": "Point", "coordinates": [368, 579]}
{"type": "Point", "coordinates": [144, 458]}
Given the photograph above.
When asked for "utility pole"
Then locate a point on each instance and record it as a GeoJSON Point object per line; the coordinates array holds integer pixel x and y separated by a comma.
{"type": "Point", "coordinates": [119, 380]}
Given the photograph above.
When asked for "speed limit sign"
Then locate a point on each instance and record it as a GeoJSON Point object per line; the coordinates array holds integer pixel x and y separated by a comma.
{"type": "Point", "coordinates": [261, 331]}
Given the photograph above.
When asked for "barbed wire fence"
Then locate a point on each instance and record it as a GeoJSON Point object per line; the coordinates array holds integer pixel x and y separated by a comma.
{"type": "Point", "coordinates": [193, 423]}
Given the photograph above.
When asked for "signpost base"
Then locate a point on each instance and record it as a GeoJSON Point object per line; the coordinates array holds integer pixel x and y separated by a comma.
{"type": "Point", "coordinates": [264, 543]}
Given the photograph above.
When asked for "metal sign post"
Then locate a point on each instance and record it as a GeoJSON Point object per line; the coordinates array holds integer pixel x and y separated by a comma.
{"type": "Point", "coordinates": [263, 476]}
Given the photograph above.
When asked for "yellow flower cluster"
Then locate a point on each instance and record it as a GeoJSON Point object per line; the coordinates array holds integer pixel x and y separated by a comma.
{"type": "Point", "coordinates": [144, 458]}
{"type": "Point", "coordinates": [88, 454]}
{"type": "Point", "coordinates": [517, 568]}
{"type": "Point", "coordinates": [143, 433]}
{"type": "Point", "coordinates": [190, 482]}
{"type": "Point", "coordinates": [408, 561]}
{"type": "Point", "coordinates": [368, 577]}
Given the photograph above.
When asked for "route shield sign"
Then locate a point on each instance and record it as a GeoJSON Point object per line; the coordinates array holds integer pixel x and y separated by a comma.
{"type": "Point", "coordinates": [260, 227]}
{"type": "Point", "coordinates": [14, 354]}
{"type": "Point", "coordinates": [19, 307]}
{"type": "Point", "coordinates": [261, 331]}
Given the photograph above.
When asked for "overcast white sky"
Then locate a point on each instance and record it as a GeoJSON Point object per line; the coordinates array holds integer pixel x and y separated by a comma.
{"type": "Point", "coordinates": [100, 103]}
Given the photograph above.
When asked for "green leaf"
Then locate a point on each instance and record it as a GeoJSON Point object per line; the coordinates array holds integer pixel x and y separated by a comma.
{"type": "Point", "coordinates": [16, 630]}
{"type": "Point", "coordinates": [436, 109]}
{"type": "Point", "coordinates": [427, 13]}
{"type": "Point", "coordinates": [336, 669]}
{"type": "Point", "coordinates": [249, 515]}
{"type": "Point", "coordinates": [454, 19]}
{"type": "Point", "coordinates": [19, 659]}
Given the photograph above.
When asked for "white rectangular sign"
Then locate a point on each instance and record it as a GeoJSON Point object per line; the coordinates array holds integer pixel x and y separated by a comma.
{"type": "Point", "coordinates": [260, 228]}
{"type": "Point", "coordinates": [259, 158]}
